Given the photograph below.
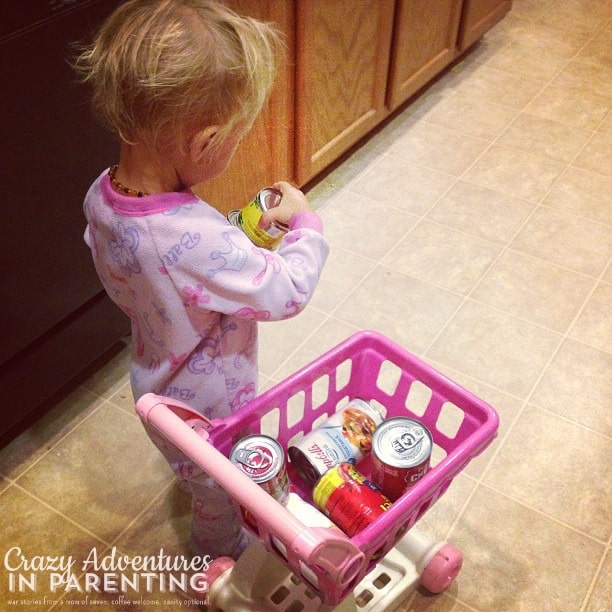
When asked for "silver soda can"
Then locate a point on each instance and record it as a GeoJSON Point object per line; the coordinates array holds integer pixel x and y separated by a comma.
{"type": "Point", "coordinates": [345, 437]}
{"type": "Point", "coordinates": [401, 451]}
{"type": "Point", "coordinates": [247, 219]}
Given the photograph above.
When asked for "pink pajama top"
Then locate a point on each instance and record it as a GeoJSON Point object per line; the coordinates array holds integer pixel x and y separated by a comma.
{"type": "Point", "coordinates": [194, 288]}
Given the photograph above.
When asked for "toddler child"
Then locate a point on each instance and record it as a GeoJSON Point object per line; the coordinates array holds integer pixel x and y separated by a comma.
{"type": "Point", "coordinates": [180, 82]}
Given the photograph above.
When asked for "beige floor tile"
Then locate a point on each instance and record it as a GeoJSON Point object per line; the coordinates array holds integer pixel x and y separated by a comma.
{"type": "Point", "coordinates": [552, 44]}
{"type": "Point", "coordinates": [570, 105]}
{"type": "Point", "coordinates": [518, 559]}
{"type": "Point", "coordinates": [577, 385]}
{"type": "Point", "coordinates": [523, 470]}
{"type": "Point", "coordinates": [514, 172]}
{"type": "Point", "coordinates": [400, 307]}
{"type": "Point", "coordinates": [108, 462]}
{"type": "Point", "coordinates": [494, 347]}
{"type": "Point", "coordinates": [343, 271]}
{"type": "Point", "coordinates": [40, 438]}
{"type": "Point", "coordinates": [481, 211]}
{"type": "Point", "coordinates": [597, 155]}
{"type": "Point", "coordinates": [166, 524]}
{"type": "Point", "coordinates": [566, 240]}
{"type": "Point", "coordinates": [402, 185]}
{"type": "Point", "coordinates": [583, 193]}
{"type": "Point", "coordinates": [439, 518]}
{"type": "Point", "coordinates": [439, 148]}
{"type": "Point", "coordinates": [35, 529]}
{"type": "Point", "coordinates": [597, 80]}
{"type": "Point", "coordinates": [279, 340]}
{"type": "Point", "coordinates": [498, 86]}
{"type": "Point", "coordinates": [473, 116]}
{"type": "Point", "coordinates": [123, 398]}
{"type": "Point", "coordinates": [506, 406]}
{"type": "Point", "coordinates": [594, 325]}
{"type": "Point", "coordinates": [602, 592]}
{"type": "Point", "coordinates": [607, 276]}
{"type": "Point", "coordinates": [534, 290]}
{"type": "Point", "coordinates": [442, 256]}
{"type": "Point", "coordinates": [527, 56]}
{"type": "Point", "coordinates": [328, 335]}
{"type": "Point", "coordinates": [577, 17]}
{"type": "Point", "coordinates": [364, 226]}
{"type": "Point", "coordinates": [423, 601]}
{"type": "Point", "coordinates": [606, 125]}
{"type": "Point", "coordinates": [549, 139]}
{"type": "Point", "coordinates": [597, 52]}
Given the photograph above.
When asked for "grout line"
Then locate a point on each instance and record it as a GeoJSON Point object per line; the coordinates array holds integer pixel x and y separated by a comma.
{"type": "Point", "coordinates": [596, 574]}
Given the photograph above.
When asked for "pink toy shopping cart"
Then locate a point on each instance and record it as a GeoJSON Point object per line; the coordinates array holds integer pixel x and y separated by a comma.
{"type": "Point", "coordinates": [296, 567]}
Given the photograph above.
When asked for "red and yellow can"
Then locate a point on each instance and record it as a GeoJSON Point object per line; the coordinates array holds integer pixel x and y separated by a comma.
{"type": "Point", "coordinates": [349, 499]}
{"type": "Point", "coordinates": [247, 219]}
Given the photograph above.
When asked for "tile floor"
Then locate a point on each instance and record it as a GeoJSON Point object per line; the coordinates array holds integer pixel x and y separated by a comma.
{"type": "Point", "coordinates": [475, 229]}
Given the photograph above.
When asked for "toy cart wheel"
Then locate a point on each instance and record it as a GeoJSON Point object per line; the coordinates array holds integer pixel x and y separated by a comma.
{"type": "Point", "coordinates": [442, 569]}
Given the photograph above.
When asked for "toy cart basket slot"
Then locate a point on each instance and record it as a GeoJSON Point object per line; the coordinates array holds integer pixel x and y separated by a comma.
{"type": "Point", "coordinates": [369, 366]}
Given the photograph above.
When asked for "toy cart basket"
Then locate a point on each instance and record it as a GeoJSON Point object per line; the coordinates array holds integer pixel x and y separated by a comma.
{"type": "Point", "coordinates": [369, 366]}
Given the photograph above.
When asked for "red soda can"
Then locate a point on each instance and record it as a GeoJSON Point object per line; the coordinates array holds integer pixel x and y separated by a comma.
{"type": "Point", "coordinates": [401, 451]}
{"type": "Point", "coordinates": [350, 500]}
{"type": "Point", "coordinates": [262, 459]}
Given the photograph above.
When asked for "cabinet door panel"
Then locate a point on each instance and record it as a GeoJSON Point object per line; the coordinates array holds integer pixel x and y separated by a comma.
{"type": "Point", "coordinates": [266, 154]}
{"type": "Point", "coordinates": [342, 53]}
{"type": "Point", "coordinates": [423, 44]}
{"type": "Point", "coordinates": [478, 17]}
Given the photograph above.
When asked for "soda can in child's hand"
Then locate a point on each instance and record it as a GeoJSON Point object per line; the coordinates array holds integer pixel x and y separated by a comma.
{"type": "Point", "coordinates": [247, 219]}
{"type": "Point", "coordinates": [346, 436]}
{"type": "Point", "coordinates": [401, 451]}
{"type": "Point", "coordinates": [349, 499]}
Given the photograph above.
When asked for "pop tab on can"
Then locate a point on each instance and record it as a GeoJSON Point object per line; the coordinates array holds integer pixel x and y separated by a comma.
{"type": "Point", "coordinates": [346, 436]}
{"type": "Point", "coordinates": [247, 219]}
{"type": "Point", "coordinates": [401, 451]}
{"type": "Point", "coordinates": [262, 459]}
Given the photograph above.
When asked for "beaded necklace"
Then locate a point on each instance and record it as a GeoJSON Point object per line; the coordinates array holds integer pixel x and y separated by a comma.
{"type": "Point", "coordinates": [121, 187]}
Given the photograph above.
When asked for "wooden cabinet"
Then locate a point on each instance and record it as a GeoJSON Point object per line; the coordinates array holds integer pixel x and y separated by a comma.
{"type": "Point", "coordinates": [267, 153]}
{"type": "Point", "coordinates": [348, 65]}
{"type": "Point", "coordinates": [478, 17]}
{"type": "Point", "coordinates": [424, 42]}
{"type": "Point", "coordinates": [342, 58]}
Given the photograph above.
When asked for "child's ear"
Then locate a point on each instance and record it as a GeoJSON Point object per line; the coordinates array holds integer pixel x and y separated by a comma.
{"type": "Point", "coordinates": [201, 141]}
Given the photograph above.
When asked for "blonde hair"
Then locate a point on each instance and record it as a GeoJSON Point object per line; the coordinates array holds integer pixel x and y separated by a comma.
{"type": "Point", "coordinates": [162, 68]}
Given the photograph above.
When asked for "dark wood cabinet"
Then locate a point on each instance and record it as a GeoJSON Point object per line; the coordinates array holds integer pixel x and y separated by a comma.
{"type": "Point", "coordinates": [56, 320]}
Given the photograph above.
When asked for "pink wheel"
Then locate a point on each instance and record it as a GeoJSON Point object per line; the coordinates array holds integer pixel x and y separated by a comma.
{"type": "Point", "coordinates": [442, 569]}
{"type": "Point", "coordinates": [219, 566]}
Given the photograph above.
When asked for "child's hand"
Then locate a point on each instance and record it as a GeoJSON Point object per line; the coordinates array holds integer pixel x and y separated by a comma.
{"type": "Point", "coordinates": [293, 201]}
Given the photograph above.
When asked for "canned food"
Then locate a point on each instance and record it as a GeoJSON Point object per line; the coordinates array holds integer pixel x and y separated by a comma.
{"type": "Point", "coordinates": [344, 437]}
{"type": "Point", "coordinates": [263, 460]}
{"type": "Point", "coordinates": [349, 499]}
{"type": "Point", "coordinates": [401, 451]}
{"type": "Point", "coordinates": [247, 219]}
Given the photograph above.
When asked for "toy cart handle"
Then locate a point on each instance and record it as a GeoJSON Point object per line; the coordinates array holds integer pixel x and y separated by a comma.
{"type": "Point", "coordinates": [331, 551]}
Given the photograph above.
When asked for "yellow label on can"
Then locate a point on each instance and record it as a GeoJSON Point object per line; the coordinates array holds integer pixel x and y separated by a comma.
{"type": "Point", "coordinates": [247, 219]}
{"type": "Point", "coordinates": [249, 222]}
{"type": "Point", "coordinates": [332, 480]}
